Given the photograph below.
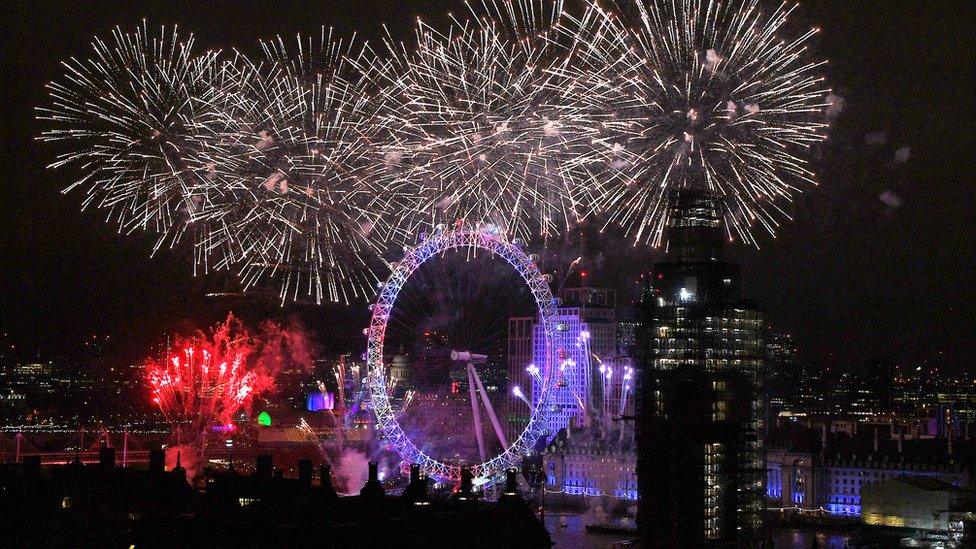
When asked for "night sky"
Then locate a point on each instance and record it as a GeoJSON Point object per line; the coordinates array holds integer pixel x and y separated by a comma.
{"type": "Point", "coordinates": [878, 262]}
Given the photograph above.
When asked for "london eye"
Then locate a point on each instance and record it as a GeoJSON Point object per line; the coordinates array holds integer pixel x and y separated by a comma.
{"type": "Point", "coordinates": [500, 444]}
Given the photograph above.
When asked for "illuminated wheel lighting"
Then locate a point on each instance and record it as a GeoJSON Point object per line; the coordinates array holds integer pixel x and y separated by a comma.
{"type": "Point", "coordinates": [483, 238]}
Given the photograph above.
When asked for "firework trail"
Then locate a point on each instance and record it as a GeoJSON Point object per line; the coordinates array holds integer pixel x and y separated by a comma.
{"type": "Point", "coordinates": [468, 117]}
{"type": "Point", "coordinates": [517, 392]}
{"type": "Point", "coordinates": [310, 435]}
{"type": "Point", "coordinates": [125, 118]}
{"type": "Point", "coordinates": [694, 94]}
{"type": "Point", "coordinates": [625, 390]}
{"type": "Point", "coordinates": [339, 372]}
{"type": "Point", "coordinates": [407, 400]}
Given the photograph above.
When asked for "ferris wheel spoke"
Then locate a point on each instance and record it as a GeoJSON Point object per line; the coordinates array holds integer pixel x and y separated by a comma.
{"type": "Point", "coordinates": [476, 414]}
{"type": "Point", "coordinates": [488, 407]}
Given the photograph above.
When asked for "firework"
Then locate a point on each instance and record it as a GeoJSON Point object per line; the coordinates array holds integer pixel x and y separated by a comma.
{"type": "Point", "coordinates": [125, 117]}
{"type": "Point", "coordinates": [517, 392]}
{"type": "Point", "coordinates": [300, 205]}
{"type": "Point", "coordinates": [694, 94]}
{"type": "Point", "coordinates": [266, 163]}
{"type": "Point", "coordinates": [468, 118]}
{"type": "Point", "coordinates": [210, 378]}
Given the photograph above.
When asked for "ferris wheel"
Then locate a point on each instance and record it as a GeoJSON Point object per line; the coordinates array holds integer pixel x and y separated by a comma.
{"type": "Point", "coordinates": [490, 467]}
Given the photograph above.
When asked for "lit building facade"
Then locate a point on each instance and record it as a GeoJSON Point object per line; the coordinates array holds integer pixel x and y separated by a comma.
{"type": "Point", "coordinates": [784, 379]}
{"type": "Point", "coordinates": [594, 463]}
{"type": "Point", "coordinates": [921, 504]}
{"type": "Point", "coordinates": [520, 336]}
{"type": "Point", "coordinates": [820, 469]}
{"type": "Point", "coordinates": [587, 335]}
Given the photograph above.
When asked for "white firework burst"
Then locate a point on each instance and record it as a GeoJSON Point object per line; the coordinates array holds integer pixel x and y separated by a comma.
{"type": "Point", "coordinates": [124, 117]}
{"type": "Point", "coordinates": [295, 202]}
{"type": "Point", "coordinates": [695, 94]}
{"type": "Point", "coordinates": [468, 119]}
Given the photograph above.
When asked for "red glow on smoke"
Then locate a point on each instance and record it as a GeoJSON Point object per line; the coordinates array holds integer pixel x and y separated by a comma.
{"type": "Point", "coordinates": [211, 378]}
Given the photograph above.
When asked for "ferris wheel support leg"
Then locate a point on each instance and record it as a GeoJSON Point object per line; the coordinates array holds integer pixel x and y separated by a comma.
{"type": "Point", "coordinates": [476, 412]}
{"type": "Point", "coordinates": [491, 411]}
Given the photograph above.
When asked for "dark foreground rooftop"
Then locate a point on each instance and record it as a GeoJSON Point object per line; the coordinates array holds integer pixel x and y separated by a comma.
{"type": "Point", "coordinates": [106, 506]}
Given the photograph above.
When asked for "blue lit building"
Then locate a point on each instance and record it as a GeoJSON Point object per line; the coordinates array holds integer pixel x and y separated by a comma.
{"type": "Point", "coordinates": [586, 325]}
{"type": "Point", "coordinates": [597, 461]}
{"type": "Point", "coordinates": [812, 469]}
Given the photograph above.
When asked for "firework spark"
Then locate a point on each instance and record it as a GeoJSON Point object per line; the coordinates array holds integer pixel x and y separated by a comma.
{"type": "Point", "coordinates": [265, 163]}
{"type": "Point", "coordinates": [299, 168]}
{"type": "Point", "coordinates": [307, 210]}
{"type": "Point", "coordinates": [208, 380]}
{"type": "Point", "coordinates": [299, 204]}
{"type": "Point", "coordinates": [695, 94]}
{"type": "Point", "coordinates": [468, 117]}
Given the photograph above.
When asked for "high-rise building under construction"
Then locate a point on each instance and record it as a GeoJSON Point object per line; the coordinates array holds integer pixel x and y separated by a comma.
{"type": "Point", "coordinates": [700, 405]}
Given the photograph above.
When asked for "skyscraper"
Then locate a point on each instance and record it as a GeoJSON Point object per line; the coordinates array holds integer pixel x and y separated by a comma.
{"type": "Point", "coordinates": [700, 414]}
{"type": "Point", "coordinates": [784, 378]}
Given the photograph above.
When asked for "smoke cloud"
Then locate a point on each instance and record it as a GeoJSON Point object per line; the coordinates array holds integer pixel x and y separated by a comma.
{"type": "Point", "coordinates": [902, 155]}
{"type": "Point", "coordinates": [890, 199]}
{"type": "Point", "coordinates": [876, 138]}
{"type": "Point", "coordinates": [835, 107]}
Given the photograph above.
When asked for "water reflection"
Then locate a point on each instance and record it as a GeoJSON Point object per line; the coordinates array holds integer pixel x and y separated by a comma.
{"type": "Point", "coordinates": [569, 531]}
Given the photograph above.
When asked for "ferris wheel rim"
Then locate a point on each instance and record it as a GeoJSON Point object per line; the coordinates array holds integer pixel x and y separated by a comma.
{"type": "Point", "coordinates": [486, 238]}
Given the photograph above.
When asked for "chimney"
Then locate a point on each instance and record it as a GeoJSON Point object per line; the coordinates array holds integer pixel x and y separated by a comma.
{"type": "Point", "coordinates": [510, 495]}
{"type": "Point", "coordinates": [423, 491]}
{"type": "Point", "coordinates": [157, 461]}
{"type": "Point", "coordinates": [373, 488]}
{"type": "Point", "coordinates": [106, 457]}
{"type": "Point", "coordinates": [325, 481]}
{"type": "Point", "coordinates": [466, 490]}
{"type": "Point", "coordinates": [178, 471]}
{"type": "Point", "coordinates": [420, 494]}
{"type": "Point", "coordinates": [305, 472]}
{"type": "Point", "coordinates": [263, 466]}
{"type": "Point", "coordinates": [416, 491]}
